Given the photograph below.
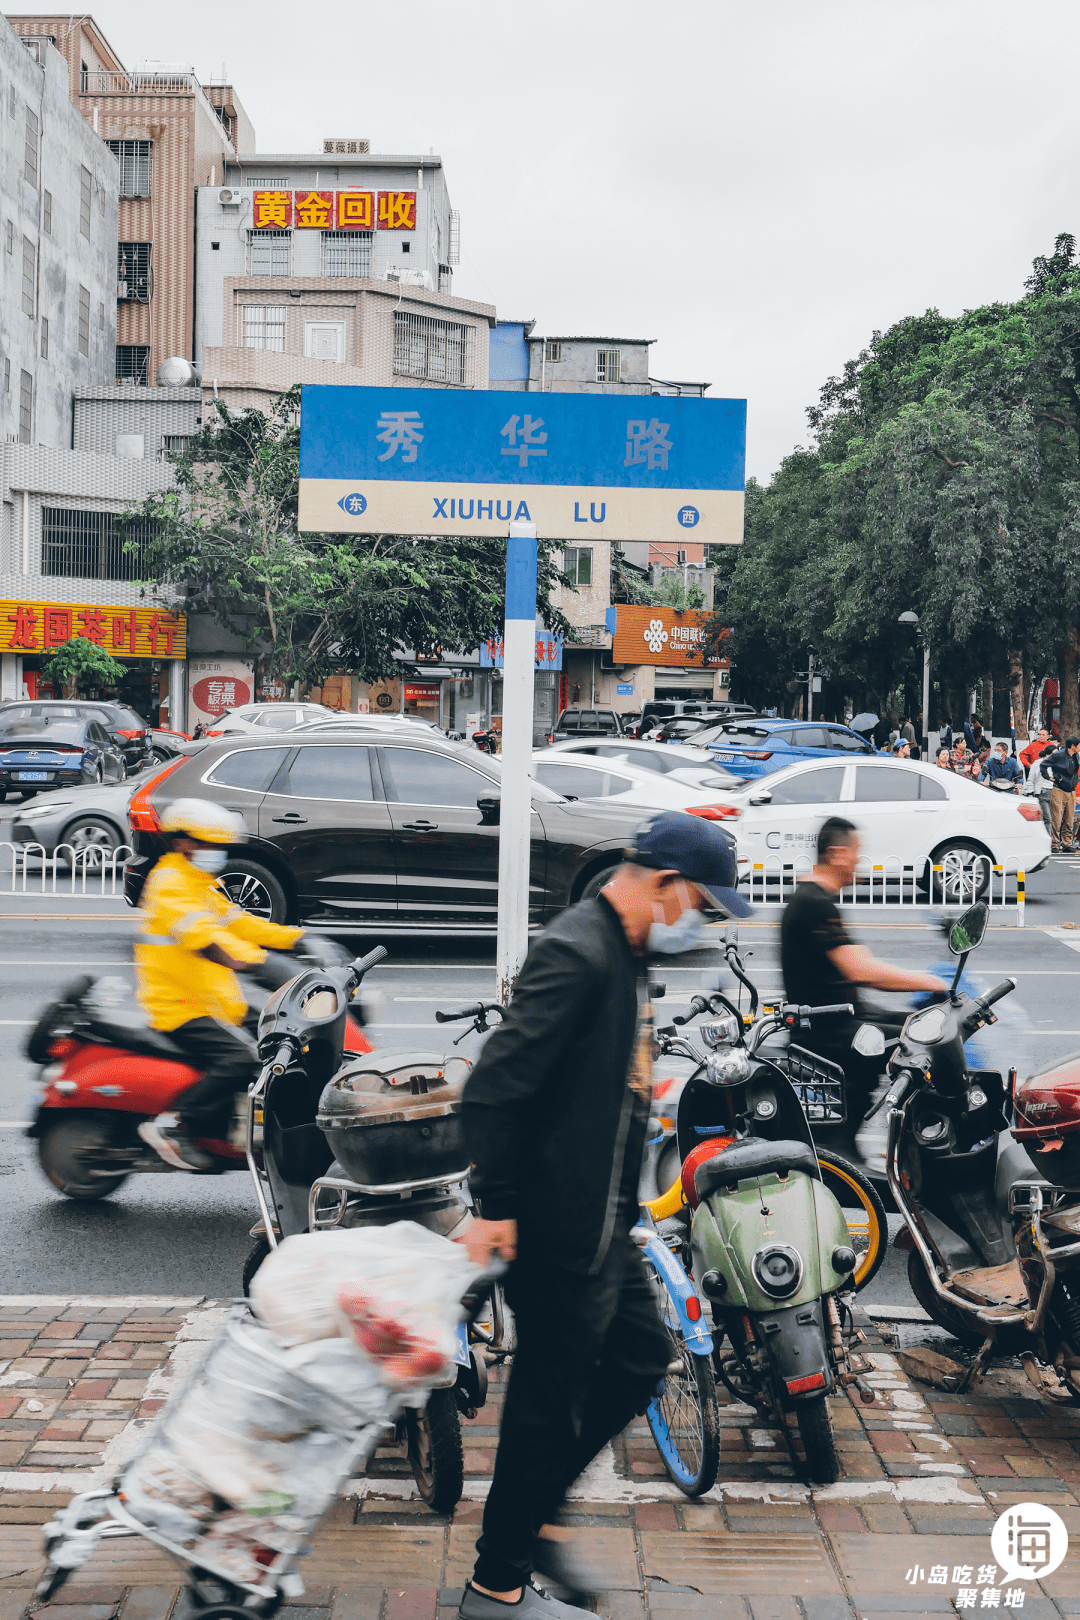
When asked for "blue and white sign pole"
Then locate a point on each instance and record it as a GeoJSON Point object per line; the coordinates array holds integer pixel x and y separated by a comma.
{"type": "Point", "coordinates": [515, 813]}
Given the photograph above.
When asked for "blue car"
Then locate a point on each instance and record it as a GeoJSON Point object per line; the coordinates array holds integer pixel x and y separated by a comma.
{"type": "Point", "coordinates": [758, 747]}
{"type": "Point", "coordinates": [39, 754]}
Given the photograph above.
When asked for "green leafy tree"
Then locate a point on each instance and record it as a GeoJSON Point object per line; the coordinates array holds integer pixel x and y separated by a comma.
{"type": "Point", "coordinates": [80, 665]}
{"type": "Point", "coordinates": [313, 603]}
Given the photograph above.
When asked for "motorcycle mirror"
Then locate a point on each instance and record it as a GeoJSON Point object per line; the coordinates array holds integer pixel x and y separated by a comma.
{"type": "Point", "coordinates": [967, 931]}
{"type": "Point", "coordinates": [869, 1041]}
{"type": "Point", "coordinates": [731, 935]}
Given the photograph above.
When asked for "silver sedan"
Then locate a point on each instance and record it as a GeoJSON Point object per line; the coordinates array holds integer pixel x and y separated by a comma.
{"type": "Point", "coordinates": [90, 822]}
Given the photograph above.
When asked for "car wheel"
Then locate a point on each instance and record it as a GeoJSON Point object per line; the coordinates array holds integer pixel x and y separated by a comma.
{"type": "Point", "coordinates": [99, 774]}
{"type": "Point", "coordinates": [255, 889]}
{"type": "Point", "coordinates": [965, 872]}
{"type": "Point", "coordinates": [160, 756]}
{"type": "Point", "coordinates": [597, 882]}
{"type": "Point", "coordinates": [92, 840]}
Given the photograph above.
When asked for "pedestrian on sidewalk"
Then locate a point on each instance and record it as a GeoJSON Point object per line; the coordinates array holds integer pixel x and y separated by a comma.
{"type": "Point", "coordinates": [1038, 784]}
{"type": "Point", "coordinates": [1064, 769]}
{"type": "Point", "coordinates": [555, 1117]}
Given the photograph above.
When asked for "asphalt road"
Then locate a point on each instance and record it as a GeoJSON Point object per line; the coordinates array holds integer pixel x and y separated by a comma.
{"type": "Point", "coordinates": [189, 1235]}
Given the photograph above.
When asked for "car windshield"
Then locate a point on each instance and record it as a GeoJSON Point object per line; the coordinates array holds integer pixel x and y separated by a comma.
{"type": "Point", "coordinates": [60, 731]}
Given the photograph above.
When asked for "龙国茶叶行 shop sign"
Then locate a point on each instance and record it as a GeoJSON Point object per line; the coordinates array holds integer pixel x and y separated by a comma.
{"type": "Point", "coordinates": [124, 632]}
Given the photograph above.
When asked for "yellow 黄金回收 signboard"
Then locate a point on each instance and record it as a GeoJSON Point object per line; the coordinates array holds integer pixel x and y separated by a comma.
{"type": "Point", "coordinates": [124, 632]}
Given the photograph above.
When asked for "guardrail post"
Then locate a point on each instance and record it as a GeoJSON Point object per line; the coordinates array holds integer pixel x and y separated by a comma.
{"type": "Point", "coordinates": [1020, 882]}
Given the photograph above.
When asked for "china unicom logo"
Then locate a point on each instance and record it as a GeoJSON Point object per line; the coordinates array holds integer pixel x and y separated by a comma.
{"type": "Point", "coordinates": [655, 635]}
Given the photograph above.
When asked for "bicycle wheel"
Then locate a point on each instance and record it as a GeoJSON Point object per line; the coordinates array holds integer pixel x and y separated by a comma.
{"type": "Point", "coordinates": [683, 1416]}
{"type": "Point", "coordinates": [863, 1211]}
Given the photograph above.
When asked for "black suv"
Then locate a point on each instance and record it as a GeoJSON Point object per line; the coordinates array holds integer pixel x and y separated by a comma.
{"type": "Point", "coordinates": [587, 723]}
{"type": "Point", "coordinates": [127, 730]}
{"type": "Point", "coordinates": [392, 834]}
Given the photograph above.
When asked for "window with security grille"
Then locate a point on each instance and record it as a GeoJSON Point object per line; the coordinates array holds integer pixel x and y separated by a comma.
{"type": "Point", "coordinates": [134, 160]}
{"type": "Point", "coordinates": [347, 253]}
{"type": "Point", "coordinates": [93, 545]}
{"type": "Point", "coordinates": [133, 363]}
{"type": "Point", "coordinates": [30, 159]}
{"type": "Point", "coordinates": [84, 321]}
{"type": "Point", "coordinates": [435, 350]}
{"type": "Point", "coordinates": [85, 199]}
{"type": "Point", "coordinates": [29, 261]}
{"type": "Point", "coordinates": [607, 365]}
{"type": "Point", "coordinates": [270, 253]}
{"type": "Point", "coordinates": [577, 564]}
{"type": "Point", "coordinates": [133, 272]}
{"type": "Point", "coordinates": [26, 407]}
{"type": "Point", "coordinates": [264, 328]}
{"type": "Point", "coordinates": [175, 443]}
{"type": "Point", "coordinates": [46, 212]}
{"type": "Point", "coordinates": [44, 338]}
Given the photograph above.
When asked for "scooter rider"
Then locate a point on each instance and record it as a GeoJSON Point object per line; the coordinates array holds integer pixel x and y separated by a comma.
{"type": "Point", "coordinates": [193, 944]}
{"type": "Point", "coordinates": [555, 1117]}
{"type": "Point", "coordinates": [822, 965]}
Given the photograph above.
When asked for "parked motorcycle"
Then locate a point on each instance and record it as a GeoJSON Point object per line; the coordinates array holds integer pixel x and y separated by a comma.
{"type": "Point", "coordinates": [992, 1213]}
{"type": "Point", "coordinates": [104, 1070]}
{"type": "Point", "coordinates": [340, 1140]}
{"type": "Point", "coordinates": [767, 1245]}
{"type": "Point", "coordinates": [486, 741]}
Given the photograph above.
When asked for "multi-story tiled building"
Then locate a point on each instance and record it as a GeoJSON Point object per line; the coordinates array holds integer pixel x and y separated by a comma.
{"type": "Point", "coordinates": [58, 201]}
{"type": "Point", "coordinates": [332, 267]}
{"type": "Point", "coordinates": [168, 135]}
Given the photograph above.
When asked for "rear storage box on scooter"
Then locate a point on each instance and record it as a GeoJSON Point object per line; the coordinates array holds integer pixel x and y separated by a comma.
{"type": "Point", "coordinates": [396, 1116]}
{"type": "Point", "coordinates": [1048, 1113]}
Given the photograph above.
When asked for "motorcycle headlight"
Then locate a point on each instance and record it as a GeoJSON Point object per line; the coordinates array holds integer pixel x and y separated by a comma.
{"type": "Point", "coordinates": [723, 1031]}
{"type": "Point", "coordinates": [777, 1269]}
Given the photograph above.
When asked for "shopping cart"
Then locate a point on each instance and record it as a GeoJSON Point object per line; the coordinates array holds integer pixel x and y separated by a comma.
{"type": "Point", "coordinates": [241, 1465]}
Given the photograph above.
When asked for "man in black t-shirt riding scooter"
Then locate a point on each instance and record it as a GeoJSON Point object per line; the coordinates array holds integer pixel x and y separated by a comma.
{"type": "Point", "coordinates": [823, 965]}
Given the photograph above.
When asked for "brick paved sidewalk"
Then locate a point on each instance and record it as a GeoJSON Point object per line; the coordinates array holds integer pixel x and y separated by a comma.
{"type": "Point", "coordinates": [925, 1474]}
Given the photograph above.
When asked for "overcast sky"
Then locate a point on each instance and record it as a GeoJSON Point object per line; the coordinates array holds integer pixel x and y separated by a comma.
{"type": "Point", "coordinates": [757, 187]}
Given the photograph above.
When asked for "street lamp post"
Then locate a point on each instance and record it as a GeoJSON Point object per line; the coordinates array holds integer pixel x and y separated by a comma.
{"type": "Point", "coordinates": [913, 618]}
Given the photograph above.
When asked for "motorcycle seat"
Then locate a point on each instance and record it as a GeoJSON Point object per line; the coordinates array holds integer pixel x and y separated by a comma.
{"type": "Point", "coordinates": [134, 1034]}
{"type": "Point", "coordinates": [744, 1160]}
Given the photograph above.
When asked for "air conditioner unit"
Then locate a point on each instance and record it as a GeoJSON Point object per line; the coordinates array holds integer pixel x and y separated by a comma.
{"type": "Point", "coordinates": [121, 289]}
{"type": "Point", "coordinates": [228, 197]}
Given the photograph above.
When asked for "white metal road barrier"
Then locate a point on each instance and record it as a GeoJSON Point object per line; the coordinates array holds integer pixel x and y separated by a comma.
{"type": "Point", "coordinates": [92, 873]}
{"type": "Point", "coordinates": [893, 883]}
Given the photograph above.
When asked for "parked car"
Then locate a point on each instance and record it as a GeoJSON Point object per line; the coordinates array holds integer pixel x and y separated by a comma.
{"type": "Point", "coordinates": [256, 718]}
{"type": "Point", "coordinates": [658, 711]}
{"type": "Point", "coordinates": [759, 747]}
{"type": "Point", "coordinates": [395, 833]}
{"type": "Point", "coordinates": [682, 728]}
{"type": "Point", "coordinates": [372, 722]}
{"type": "Point", "coordinates": [48, 752]}
{"type": "Point", "coordinates": [91, 821]}
{"type": "Point", "coordinates": [166, 744]}
{"type": "Point", "coordinates": [909, 811]}
{"type": "Point", "coordinates": [588, 778]}
{"type": "Point", "coordinates": [591, 722]}
{"type": "Point", "coordinates": [128, 730]}
{"type": "Point", "coordinates": [693, 766]}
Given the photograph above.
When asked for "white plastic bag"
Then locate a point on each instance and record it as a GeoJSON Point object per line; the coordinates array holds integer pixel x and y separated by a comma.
{"type": "Point", "coordinates": [393, 1291]}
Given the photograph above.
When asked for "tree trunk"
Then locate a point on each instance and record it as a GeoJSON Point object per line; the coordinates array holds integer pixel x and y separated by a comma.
{"type": "Point", "coordinates": [987, 715]}
{"type": "Point", "coordinates": [1018, 685]}
{"type": "Point", "coordinates": [1069, 696]}
{"type": "Point", "coordinates": [70, 687]}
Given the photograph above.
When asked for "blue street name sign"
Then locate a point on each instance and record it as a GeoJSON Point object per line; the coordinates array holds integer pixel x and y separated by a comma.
{"type": "Point", "coordinates": [429, 460]}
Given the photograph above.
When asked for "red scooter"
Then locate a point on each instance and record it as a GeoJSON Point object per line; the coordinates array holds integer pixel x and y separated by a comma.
{"type": "Point", "coordinates": [104, 1070]}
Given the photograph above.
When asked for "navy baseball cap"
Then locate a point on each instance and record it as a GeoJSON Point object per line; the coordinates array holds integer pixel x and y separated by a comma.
{"type": "Point", "coordinates": [674, 841]}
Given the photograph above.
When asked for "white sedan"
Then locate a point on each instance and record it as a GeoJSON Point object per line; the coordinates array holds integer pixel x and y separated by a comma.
{"type": "Point", "coordinates": [583, 776]}
{"type": "Point", "coordinates": [694, 766]}
{"type": "Point", "coordinates": [907, 815]}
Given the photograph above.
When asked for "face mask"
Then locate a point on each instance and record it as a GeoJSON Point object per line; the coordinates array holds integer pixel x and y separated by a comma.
{"type": "Point", "coordinates": [684, 934]}
{"type": "Point", "coordinates": [211, 861]}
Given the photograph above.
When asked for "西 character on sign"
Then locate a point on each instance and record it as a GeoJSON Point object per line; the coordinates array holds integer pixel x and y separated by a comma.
{"type": "Point", "coordinates": [400, 430]}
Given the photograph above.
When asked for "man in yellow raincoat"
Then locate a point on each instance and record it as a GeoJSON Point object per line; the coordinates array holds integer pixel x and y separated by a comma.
{"type": "Point", "coordinates": [193, 944]}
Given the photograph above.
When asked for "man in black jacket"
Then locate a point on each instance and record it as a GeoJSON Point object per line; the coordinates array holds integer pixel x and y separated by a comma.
{"type": "Point", "coordinates": [1064, 769]}
{"type": "Point", "coordinates": [555, 1115]}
